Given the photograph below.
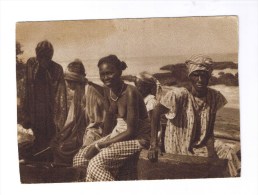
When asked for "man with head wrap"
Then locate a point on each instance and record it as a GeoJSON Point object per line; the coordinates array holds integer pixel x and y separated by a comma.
{"type": "Point", "coordinates": [45, 105]}
{"type": "Point", "coordinates": [191, 114]}
{"type": "Point", "coordinates": [85, 118]}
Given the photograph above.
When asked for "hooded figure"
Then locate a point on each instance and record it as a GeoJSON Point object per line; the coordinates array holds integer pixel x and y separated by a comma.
{"type": "Point", "coordinates": [45, 104]}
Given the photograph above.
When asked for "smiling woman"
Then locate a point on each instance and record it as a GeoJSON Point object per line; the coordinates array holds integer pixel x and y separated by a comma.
{"type": "Point", "coordinates": [125, 105]}
{"type": "Point", "coordinates": [110, 71]}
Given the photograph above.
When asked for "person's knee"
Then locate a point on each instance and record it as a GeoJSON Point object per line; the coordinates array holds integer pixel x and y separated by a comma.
{"type": "Point", "coordinates": [79, 161]}
{"type": "Point", "coordinates": [95, 164]}
{"type": "Point", "coordinates": [92, 167]}
{"type": "Point", "coordinates": [76, 162]}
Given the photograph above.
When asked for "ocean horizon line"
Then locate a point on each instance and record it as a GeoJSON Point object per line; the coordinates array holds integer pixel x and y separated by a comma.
{"type": "Point", "coordinates": [150, 64]}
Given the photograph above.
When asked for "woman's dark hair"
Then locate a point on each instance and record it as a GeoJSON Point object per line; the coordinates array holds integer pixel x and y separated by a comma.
{"type": "Point", "coordinates": [113, 59]}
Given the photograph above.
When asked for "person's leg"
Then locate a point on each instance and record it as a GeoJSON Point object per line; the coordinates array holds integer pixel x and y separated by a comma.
{"type": "Point", "coordinates": [105, 165]}
{"type": "Point", "coordinates": [79, 159]}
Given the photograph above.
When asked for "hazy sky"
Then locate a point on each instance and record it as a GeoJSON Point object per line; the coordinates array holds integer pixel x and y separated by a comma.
{"type": "Point", "coordinates": [92, 39]}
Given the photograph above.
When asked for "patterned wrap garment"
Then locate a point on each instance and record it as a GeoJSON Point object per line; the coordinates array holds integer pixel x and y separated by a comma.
{"type": "Point", "coordinates": [45, 104]}
{"type": "Point", "coordinates": [191, 121]}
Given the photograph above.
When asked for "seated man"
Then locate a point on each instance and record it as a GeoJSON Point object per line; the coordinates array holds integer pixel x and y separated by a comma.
{"type": "Point", "coordinates": [85, 117]}
{"type": "Point", "coordinates": [191, 114]}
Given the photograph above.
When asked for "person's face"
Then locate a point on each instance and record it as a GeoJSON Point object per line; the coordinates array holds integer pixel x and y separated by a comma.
{"type": "Point", "coordinates": [109, 75]}
{"type": "Point", "coordinates": [199, 80]}
{"type": "Point", "coordinates": [71, 84]}
{"type": "Point", "coordinates": [43, 61]}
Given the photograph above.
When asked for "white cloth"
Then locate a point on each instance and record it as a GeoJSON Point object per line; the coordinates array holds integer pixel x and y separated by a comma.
{"type": "Point", "coordinates": [150, 102]}
{"type": "Point", "coordinates": [228, 149]}
{"type": "Point", "coordinates": [120, 127]}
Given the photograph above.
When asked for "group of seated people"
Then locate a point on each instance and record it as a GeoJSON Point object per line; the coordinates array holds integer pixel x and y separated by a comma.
{"type": "Point", "coordinates": [106, 126]}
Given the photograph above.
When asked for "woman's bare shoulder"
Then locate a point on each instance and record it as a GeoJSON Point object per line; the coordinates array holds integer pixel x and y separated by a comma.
{"type": "Point", "coordinates": [132, 90]}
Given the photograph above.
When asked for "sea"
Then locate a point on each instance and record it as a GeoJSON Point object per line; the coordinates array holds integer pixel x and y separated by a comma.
{"type": "Point", "coordinates": [152, 64]}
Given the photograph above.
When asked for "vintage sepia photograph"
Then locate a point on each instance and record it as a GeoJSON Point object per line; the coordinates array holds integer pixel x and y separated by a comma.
{"type": "Point", "coordinates": [128, 99]}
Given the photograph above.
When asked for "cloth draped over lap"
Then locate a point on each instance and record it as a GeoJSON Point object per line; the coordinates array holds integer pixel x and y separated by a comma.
{"type": "Point", "coordinates": [69, 140]}
{"type": "Point", "coordinates": [229, 149]}
{"type": "Point", "coordinates": [82, 129]}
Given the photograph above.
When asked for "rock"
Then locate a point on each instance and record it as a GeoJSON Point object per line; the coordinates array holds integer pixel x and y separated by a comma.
{"type": "Point", "coordinates": [168, 167]}
{"type": "Point", "coordinates": [171, 166]}
{"type": "Point", "coordinates": [47, 174]}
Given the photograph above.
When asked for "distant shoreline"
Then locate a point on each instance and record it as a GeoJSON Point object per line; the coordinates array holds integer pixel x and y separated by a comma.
{"type": "Point", "coordinates": [152, 63]}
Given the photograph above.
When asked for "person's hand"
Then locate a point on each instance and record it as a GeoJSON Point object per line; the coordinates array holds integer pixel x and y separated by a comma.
{"type": "Point", "coordinates": [91, 152]}
{"type": "Point", "coordinates": [153, 154]}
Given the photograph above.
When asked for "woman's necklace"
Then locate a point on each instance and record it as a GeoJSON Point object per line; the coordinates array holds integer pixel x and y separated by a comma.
{"type": "Point", "coordinates": [119, 94]}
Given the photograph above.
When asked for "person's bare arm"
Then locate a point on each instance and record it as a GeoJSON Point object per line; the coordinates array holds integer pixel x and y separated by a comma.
{"type": "Point", "coordinates": [211, 141]}
{"type": "Point", "coordinates": [131, 120]}
{"type": "Point", "coordinates": [158, 111]}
